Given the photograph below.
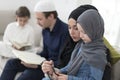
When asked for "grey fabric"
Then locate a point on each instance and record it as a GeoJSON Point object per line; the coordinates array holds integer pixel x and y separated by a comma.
{"type": "Point", "coordinates": [75, 57]}
{"type": "Point", "coordinates": [93, 52]}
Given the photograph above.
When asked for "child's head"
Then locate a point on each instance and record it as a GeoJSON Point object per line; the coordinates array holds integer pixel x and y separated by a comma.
{"type": "Point", "coordinates": [22, 15]}
{"type": "Point", "coordinates": [91, 26]}
{"type": "Point", "coordinates": [72, 20]}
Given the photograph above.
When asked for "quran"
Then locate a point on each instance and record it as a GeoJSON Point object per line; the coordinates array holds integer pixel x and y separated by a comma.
{"type": "Point", "coordinates": [22, 45]}
{"type": "Point", "coordinates": [28, 57]}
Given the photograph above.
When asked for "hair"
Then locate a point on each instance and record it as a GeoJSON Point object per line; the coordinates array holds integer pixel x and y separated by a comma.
{"type": "Point", "coordinates": [49, 13]}
{"type": "Point", "coordinates": [23, 12]}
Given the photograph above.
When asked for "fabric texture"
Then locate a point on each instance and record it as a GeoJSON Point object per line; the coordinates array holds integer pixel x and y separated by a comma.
{"type": "Point", "coordinates": [14, 66]}
{"type": "Point", "coordinates": [54, 41]}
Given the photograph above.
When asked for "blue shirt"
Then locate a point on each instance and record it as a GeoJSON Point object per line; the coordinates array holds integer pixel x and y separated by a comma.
{"type": "Point", "coordinates": [86, 72]}
{"type": "Point", "coordinates": [54, 40]}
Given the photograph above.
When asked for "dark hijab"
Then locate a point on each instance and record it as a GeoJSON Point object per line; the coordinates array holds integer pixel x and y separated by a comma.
{"type": "Point", "coordinates": [93, 52]}
{"type": "Point", "coordinates": [78, 11]}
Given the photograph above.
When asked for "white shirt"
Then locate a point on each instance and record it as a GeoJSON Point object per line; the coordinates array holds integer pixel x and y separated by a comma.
{"type": "Point", "coordinates": [19, 34]}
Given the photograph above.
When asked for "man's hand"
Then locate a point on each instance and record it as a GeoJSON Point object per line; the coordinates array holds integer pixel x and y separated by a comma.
{"type": "Point", "coordinates": [29, 65]}
{"type": "Point", "coordinates": [47, 67]}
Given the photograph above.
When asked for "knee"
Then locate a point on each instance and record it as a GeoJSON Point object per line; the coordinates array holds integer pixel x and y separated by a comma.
{"type": "Point", "coordinates": [12, 62]}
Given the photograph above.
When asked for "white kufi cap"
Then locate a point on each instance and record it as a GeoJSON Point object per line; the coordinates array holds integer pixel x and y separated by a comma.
{"type": "Point", "coordinates": [44, 6]}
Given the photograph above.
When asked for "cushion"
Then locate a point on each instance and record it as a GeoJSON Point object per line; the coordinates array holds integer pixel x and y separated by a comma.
{"type": "Point", "coordinates": [115, 55]}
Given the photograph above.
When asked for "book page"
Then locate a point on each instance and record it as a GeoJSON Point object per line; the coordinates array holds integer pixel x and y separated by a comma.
{"type": "Point", "coordinates": [28, 57]}
{"type": "Point", "coordinates": [20, 45]}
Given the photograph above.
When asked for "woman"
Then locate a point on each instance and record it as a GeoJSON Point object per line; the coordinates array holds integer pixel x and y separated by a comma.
{"type": "Point", "coordinates": [68, 47]}
{"type": "Point", "coordinates": [88, 63]}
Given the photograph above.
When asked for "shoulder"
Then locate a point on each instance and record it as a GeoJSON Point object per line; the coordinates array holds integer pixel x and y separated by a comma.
{"type": "Point", "coordinates": [29, 27]}
{"type": "Point", "coordinates": [11, 25]}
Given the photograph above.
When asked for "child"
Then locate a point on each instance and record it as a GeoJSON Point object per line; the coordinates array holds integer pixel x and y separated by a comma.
{"type": "Point", "coordinates": [20, 31]}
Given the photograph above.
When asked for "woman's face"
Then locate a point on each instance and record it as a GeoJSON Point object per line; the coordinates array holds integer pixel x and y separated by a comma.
{"type": "Point", "coordinates": [83, 35]}
{"type": "Point", "coordinates": [73, 30]}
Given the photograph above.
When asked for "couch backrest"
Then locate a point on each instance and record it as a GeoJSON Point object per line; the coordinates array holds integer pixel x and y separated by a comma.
{"type": "Point", "coordinates": [5, 18]}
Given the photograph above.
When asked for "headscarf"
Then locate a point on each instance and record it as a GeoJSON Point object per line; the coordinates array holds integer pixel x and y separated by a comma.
{"type": "Point", "coordinates": [93, 53]}
{"type": "Point", "coordinates": [78, 11]}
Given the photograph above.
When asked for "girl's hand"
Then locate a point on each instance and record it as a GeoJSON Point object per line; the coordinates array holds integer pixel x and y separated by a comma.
{"type": "Point", "coordinates": [62, 77]}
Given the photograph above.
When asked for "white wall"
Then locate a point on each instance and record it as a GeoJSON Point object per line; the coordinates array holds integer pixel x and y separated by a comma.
{"type": "Point", "coordinates": [64, 7]}
{"type": "Point", "coordinates": [14, 4]}
{"type": "Point", "coordinates": [110, 10]}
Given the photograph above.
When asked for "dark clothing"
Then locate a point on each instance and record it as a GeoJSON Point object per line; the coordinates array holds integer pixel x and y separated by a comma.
{"type": "Point", "coordinates": [108, 67]}
{"type": "Point", "coordinates": [14, 66]}
{"type": "Point", "coordinates": [54, 41]}
{"type": "Point", "coordinates": [56, 45]}
{"type": "Point", "coordinates": [66, 52]}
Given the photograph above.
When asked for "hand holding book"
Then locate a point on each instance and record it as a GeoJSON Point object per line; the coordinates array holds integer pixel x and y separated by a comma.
{"type": "Point", "coordinates": [21, 46]}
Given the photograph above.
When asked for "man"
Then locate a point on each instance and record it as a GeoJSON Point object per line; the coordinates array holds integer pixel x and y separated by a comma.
{"type": "Point", "coordinates": [55, 32]}
{"type": "Point", "coordinates": [55, 35]}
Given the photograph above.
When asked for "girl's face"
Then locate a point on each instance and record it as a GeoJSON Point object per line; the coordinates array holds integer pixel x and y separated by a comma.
{"type": "Point", "coordinates": [22, 20]}
{"type": "Point", "coordinates": [73, 30]}
{"type": "Point", "coordinates": [83, 35]}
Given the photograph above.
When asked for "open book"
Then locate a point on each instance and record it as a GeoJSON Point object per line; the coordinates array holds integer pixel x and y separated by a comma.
{"type": "Point", "coordinates": [21, 45]}
{"type": "Point", "coordinates": [28, 57]}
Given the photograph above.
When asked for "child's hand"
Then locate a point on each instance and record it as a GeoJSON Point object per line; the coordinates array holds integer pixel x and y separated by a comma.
{"type": "Point", "coordinates": [62, 77]}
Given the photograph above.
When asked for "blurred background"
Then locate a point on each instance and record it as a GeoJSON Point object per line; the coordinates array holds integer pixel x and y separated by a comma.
{"type": "Point", "coordinates": [109, 9]}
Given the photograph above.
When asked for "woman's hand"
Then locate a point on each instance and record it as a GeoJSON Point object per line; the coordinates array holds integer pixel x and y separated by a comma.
{"type": "Point", "coordinates": [47, 67]}
{"type": "Point", "coordinates": [62, 77]}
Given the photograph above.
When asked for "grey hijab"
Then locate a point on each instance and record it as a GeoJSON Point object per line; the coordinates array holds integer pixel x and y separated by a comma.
{"type": "Point", "coordinates": [93, 52]}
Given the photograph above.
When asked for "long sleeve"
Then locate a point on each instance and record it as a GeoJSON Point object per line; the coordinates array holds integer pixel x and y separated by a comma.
{"type": "Point", "coordinates": [6, 36]}
{"type": "Point", "coordinates": [87, 72]}
{"type": "Point", "coordinates": [65, 69]}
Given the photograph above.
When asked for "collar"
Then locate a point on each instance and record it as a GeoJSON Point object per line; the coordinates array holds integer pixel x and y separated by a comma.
{"type": "Point", "coordinates": [56, 26]}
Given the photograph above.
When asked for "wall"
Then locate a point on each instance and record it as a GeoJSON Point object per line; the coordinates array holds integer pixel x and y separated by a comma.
{"type": "Point", "coordinates": [64, 7]}
{"type": "Point", "coordinates": [111, 16]}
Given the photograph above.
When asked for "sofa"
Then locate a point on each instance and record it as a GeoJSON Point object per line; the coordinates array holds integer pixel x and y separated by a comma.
{"type": "Point", "coordinates": [7, 17]}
